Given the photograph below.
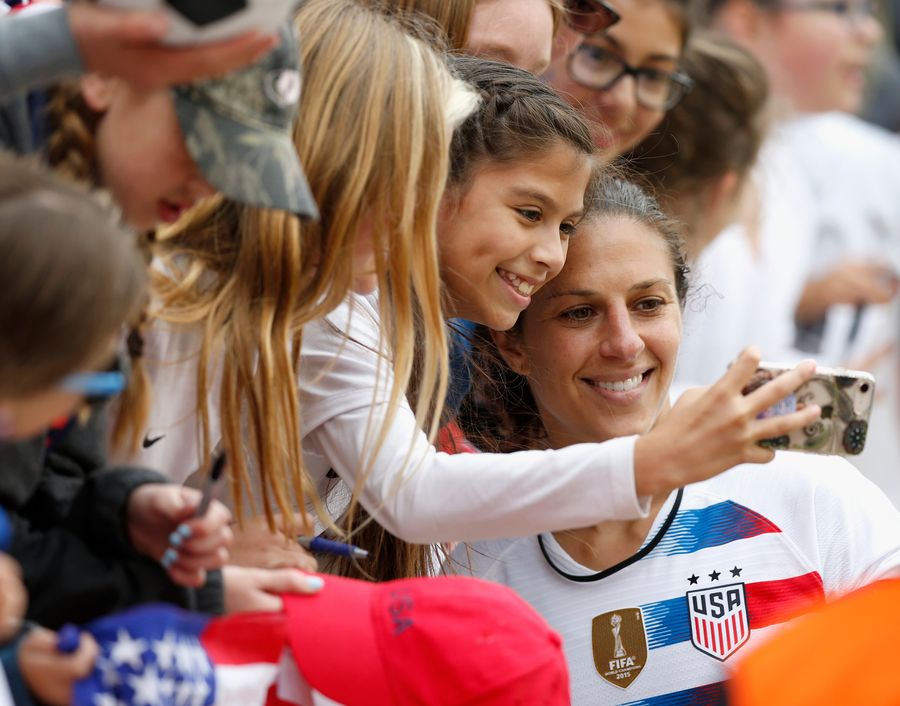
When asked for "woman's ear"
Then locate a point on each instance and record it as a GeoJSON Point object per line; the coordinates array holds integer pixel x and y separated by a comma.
{"type": "Point", "coordinates": [510, 346]}
{"type": "Point", "coordinates": [97, 91]}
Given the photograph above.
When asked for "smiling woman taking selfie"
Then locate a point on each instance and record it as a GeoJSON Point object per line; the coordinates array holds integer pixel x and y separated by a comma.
{"type": "Point", "coordinates": [654, 607]}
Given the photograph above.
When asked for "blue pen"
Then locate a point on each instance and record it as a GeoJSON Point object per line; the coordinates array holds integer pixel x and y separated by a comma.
{"type": "Point", "coordinates": [329, 546]}
{"type": "Point", "coordinates": [5, 531]}
{"type": "Point", "coordinates": [68, 639]}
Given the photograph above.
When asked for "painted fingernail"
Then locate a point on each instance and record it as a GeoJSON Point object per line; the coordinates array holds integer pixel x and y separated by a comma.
{"type": "Point", "coordinates": [315, 583]}
{"type": "Point", "coordinates": [169, 557]}
{"type": "Point", "coordinates": [175, 539]}
{"type": "Point", "coordinates": [185, 531]}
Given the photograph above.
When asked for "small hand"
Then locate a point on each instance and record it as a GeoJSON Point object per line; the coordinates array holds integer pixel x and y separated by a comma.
{"type": "Point", "coordinates": [127, 44]}
{"type": "Point", "coordinates": [260, 589]}
{"type": "Point", "coordinates": [49, 673]}
{"type": "Point", "coordinates": [162, 525]}
{"type": "Point", "coordinates": [257, 546]}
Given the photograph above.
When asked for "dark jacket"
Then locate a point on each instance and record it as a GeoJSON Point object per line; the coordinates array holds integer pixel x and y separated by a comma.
{"type": "Point", "coordinates": [69, 533]}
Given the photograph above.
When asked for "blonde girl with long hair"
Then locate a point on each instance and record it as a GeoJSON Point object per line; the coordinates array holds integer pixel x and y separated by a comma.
{"type": "Point", "coordinates": [234, 285]}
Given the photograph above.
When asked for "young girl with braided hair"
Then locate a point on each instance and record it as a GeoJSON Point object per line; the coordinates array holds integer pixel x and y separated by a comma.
{"type": "Point", "coordinates": [151, 150]}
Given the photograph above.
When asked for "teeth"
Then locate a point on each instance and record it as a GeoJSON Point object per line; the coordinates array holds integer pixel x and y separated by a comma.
{"type": "Point", "coordinates": [521, 286]}
{"type": "Point", "coordinates": [620, 385]}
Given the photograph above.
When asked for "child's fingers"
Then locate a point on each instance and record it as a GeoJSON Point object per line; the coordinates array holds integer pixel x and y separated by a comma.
{"type": "Point", "coordinates": [199, 545]}
{"type": "Point", "coordinates": [290, 581]}
{"type": "Point", "coordinates": [187, 578]}
{"type": "Point", "coordinates": [212, 525]}
{"type": "Point", "coordinates": [195, 562]}
{"type": "Point", "coordinates": [84, 657]}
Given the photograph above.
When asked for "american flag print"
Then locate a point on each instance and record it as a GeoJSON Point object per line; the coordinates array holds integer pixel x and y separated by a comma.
{"type": "Point", "coordinates": [158, 655]}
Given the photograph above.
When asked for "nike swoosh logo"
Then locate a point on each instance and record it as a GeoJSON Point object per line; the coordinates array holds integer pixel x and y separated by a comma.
{"type": "Point", "coordinates": [148, 442]}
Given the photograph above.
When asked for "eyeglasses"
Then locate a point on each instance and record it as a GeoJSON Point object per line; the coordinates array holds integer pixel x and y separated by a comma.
{"type": "Point", "coordinates": [590, 16]}
{"type": "Point", "coordinates": [99, 386]}
{"type": "Point", "coordinates": [854, 11]}
{"type": "Point", "coordinates": [593, 67]}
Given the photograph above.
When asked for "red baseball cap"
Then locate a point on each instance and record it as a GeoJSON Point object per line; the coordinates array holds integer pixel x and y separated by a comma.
{"type": "Point", "coordinates": [450, 640]}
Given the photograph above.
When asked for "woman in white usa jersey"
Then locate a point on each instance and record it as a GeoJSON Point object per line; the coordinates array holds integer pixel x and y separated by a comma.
{"type": "Point", "coordinates": [655, 610]}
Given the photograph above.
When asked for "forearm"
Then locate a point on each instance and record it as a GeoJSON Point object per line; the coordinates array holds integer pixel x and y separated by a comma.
{"type": "Point", "coordinates": [36, 50]}
{"type": "Point", "coordinates": [425, 496]}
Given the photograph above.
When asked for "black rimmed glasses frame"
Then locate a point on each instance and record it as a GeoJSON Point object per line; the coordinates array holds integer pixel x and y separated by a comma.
{"type": "Point", "coordinates": [655, 89]}
{"type": "Point", "coordinates": [590, 16]}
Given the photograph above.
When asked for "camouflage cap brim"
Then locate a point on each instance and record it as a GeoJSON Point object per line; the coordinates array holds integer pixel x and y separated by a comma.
{"type": "Point", "coordinates": [256, 166]}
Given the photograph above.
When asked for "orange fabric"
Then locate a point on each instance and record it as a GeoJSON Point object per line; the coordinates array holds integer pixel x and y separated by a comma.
{"type": "Point", "coordinates": [845, 653]}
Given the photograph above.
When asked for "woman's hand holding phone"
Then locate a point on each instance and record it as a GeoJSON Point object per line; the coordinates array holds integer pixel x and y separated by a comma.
{"type": "Point", "coordinates": [712, 429]}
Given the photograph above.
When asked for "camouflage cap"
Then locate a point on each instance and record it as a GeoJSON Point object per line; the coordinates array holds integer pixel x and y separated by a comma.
{"type": "Point", "coordinates": [238, 131]}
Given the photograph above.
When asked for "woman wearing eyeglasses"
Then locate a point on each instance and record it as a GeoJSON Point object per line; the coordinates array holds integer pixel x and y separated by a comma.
{"type": "Point", "coordinates": [626, 78]}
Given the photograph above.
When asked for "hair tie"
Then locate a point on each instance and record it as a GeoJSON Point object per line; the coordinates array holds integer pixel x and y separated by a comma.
{"type": "Point", "coordinates": [135, 343]}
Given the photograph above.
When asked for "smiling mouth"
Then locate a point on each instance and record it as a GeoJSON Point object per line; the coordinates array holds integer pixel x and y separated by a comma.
{"type": "Point", "coordinates": [517, 283]}
{"type": "Point", "coordinates": [170, 211]}
{"type": "Point", "coordinates": [620, 385]}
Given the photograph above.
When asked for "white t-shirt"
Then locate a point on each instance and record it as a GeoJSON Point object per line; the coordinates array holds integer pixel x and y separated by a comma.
{"type": "Point", "coordinates": [722, 565]}
{"type": "Point", "coordinates": [414, 491]}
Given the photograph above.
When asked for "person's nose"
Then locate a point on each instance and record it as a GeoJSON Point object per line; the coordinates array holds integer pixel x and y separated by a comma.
{"type": "Point", "coordinates": [620, 338]}
{"type": "Point", "coordinates": [550, 249]}
{"type": "Point", "coordinates": [619, 100]}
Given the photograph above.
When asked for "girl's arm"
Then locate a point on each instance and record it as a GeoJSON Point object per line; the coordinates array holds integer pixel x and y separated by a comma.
{"type": "Point", "coordinates": [421, 495]}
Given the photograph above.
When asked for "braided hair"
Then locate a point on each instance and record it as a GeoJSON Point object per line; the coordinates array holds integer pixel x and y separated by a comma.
{"type": "Point", "coordinates": [72, 126]}
{"type": "Point", "coordinates": [519, 116]}
{"type": "Point", "coordinates": [70, 150]}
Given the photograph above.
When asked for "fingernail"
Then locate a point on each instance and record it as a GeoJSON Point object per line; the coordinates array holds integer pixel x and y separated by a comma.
{"type": "Point", "coordinates": [315, 583]}
{"type": "Point", "coordinates": [169, 557]}
{"type": "Point", "coordinates": [175, 539]}
{"type": "Point", "coordinates": [184, 531]}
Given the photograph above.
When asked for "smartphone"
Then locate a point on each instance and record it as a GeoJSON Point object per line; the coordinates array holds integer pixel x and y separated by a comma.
{"type": "Point", "coordinates": [846, 398]}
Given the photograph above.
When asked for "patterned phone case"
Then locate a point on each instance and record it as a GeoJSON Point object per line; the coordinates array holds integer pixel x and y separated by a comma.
{"type": "Point", "coordinates": [846, 398]}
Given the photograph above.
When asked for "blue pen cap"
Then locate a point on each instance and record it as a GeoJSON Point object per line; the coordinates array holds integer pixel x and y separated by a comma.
{"type": "Point", "coordinates": [5, 531]}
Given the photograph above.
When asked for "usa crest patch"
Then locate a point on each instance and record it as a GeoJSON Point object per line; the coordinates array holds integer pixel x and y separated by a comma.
{"type": "Point", "coordinates": [720, 624]}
